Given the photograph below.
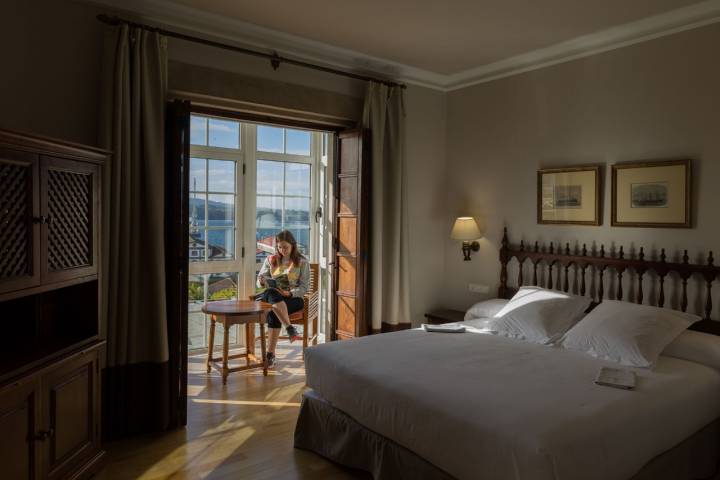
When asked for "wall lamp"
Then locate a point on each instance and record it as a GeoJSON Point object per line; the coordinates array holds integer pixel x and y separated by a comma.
{"type": "Point", "coordinates": [466, 229]}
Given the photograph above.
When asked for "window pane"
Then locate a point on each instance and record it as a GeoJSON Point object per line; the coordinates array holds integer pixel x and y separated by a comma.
{"type": "Point", "coordinates": [265, 244]}
{"type": "Point", "coordinates": [198, 130]}
{"type": "Point", "coordinates": [302, 237]}
{"type": "Point", "coordinates": [297, 213]}
{"type": "Point", "coordinates": [268, 214]}
{"type": "Point", "coordinates": [223, 286]}
{"type": "Point", "coordinates": [197, 210]}
{"type": "Point", "coordinates": [297, 179]}
{"type": "Point", "coordinates": [269, 139]}
{"type": "Point", "coordinates": [221, 210]}
{"type": "Point", "coordinates": [221, 244]}
{"type": "Point", "coordinates": [196, 250]}
{"type": "Point", "coordinates": [269, 177]}
{"type": "Point", "coordinates": [298, 142]}
{"type": "Point", "coordinates": [224, 133]}
{"type": "Point", "coordinates": [324, 144]}
{"type": "Point", "coordinates": [197, 174]}
{"type": "Point", "coordinates": [196, 330]}
{"type": "Point", "coordinates": [222, 176]}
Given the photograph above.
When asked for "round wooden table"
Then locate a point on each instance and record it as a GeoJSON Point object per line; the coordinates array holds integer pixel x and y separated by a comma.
{"type": "Point", "coordinates": [237, 312]}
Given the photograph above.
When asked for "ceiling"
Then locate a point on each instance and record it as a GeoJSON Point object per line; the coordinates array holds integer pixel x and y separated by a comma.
{"type": "Point", "coordinates": [442, 37]}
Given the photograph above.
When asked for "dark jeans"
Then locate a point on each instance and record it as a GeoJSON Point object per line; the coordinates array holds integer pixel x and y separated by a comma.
{"type": "Point", "coordinates": [294, 304]}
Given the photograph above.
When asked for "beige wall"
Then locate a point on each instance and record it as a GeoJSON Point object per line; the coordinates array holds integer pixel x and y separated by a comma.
{"type": "Point", "coordinates": [50, 68]}
{"type": "Point", "coordinates": [425, 130]}
{"type": "Point", "coordinates": [655, 100]}
{"type": "Point", "coordinates": [49, 85]}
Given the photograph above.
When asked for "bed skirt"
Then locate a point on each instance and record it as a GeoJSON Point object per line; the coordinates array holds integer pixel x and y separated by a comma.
{"type": "Point", "coordinates": [325, 430]}
{"type": "Point", "coordinates": [331, 433]}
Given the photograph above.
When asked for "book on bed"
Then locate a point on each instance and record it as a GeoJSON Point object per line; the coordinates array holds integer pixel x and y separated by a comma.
{"type": "Point", "coordinates": [445, 328]}
{"type": "Point", "coordinates": [616, 377]}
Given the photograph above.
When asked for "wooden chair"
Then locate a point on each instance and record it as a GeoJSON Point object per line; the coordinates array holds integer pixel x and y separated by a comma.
{"type": "Point", "coordinates": [310, 312]}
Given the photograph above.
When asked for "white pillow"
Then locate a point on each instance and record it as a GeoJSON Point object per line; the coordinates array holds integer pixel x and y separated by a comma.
{"type": "Point", "coordinates": [485, 309]}
{"type": "Point", "coordinates": [539, 315]}
{"type": "Point", "coordinates": [627, 333]}
{"type": "Point", "coordinates": [697, 347]}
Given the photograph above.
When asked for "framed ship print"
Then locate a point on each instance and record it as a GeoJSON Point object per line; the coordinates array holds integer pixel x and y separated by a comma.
{"type": "Point", "coordinates": [651, 194]}
{"type": "Point", "coordinates": [569, 196]}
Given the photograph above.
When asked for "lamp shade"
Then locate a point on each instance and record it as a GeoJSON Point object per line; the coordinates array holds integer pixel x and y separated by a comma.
{"type": "Point", "coordinates": [465, 228]}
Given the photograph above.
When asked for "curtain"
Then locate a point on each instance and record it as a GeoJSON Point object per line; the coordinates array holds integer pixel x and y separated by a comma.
{"type": "Point", "coordinates": [136, 380]}
{"type": "Point", "coordinates": [384, 114]}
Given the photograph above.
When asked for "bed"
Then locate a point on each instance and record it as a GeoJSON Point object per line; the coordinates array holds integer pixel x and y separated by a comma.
{"type": "Point", "coordinates": [412, 405]}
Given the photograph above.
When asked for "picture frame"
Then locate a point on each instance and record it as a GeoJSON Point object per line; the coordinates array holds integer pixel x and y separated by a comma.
{"type": "Point", "coordinates": [569, 195]}
{"type": "Point", "coordinates": [652, 194]}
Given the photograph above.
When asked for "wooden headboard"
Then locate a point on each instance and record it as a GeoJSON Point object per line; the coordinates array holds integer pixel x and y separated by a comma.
{"type": "Point", "coordinates": [558, 262]}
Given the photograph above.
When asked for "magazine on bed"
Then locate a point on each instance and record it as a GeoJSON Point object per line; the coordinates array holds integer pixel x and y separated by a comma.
{"type": "Point", "coordinates": [616, 377]}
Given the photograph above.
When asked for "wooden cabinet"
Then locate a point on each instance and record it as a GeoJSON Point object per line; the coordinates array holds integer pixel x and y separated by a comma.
{"type": "Point", "coordinates": [50, 420]}
{"type": "Point", "coordinates": [49, 214]}
{"type": "Point", "coordinates": [49, 306]}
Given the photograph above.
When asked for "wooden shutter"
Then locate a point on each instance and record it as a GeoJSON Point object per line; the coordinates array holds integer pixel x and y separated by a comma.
{"type": "Point", "coordinates": [352, 210]}
{"type": "Point", "coordinates": [177, 184]}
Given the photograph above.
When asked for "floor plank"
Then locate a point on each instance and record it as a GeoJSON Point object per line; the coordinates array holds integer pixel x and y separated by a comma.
{"type": "Point", "coordinates": [243, 430]}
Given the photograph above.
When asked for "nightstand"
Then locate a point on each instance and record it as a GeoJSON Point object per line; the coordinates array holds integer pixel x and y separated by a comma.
{"type": "Point", "coordinates": [439, 316]}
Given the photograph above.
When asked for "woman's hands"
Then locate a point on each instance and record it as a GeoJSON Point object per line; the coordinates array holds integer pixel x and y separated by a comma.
{"type": "Point", "coordinates": [261, 280]}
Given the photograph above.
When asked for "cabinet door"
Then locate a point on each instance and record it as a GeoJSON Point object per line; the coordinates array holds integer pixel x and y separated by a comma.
{"type": "Point", "coordinates": [69, 202]}
{"type": "Point", "coordinates": [71, 409]}
{"type": "Point", "coordinates": [18, 414]}
{"type": "Point", "coordinates": [19, 211]}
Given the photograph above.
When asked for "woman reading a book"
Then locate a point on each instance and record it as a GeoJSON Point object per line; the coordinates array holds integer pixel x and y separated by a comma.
{"type": "Point", "coordinates": [285, 276]}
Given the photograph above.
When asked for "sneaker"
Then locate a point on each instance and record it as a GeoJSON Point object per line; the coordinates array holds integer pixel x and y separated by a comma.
{"type": "Point", "coordinates": [270, 359]}
{"type": "Point", "coordinates": [292, 333]}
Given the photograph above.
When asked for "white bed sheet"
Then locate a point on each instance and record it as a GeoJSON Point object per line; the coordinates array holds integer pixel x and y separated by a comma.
{"type": "Point", "coordinates": [487, 407]}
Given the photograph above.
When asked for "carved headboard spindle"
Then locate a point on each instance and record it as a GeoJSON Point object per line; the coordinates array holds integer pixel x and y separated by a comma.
{"type": "Point", "coordinates": [661, 279]}
{"type": "Point", "coordinates": [640, 272]}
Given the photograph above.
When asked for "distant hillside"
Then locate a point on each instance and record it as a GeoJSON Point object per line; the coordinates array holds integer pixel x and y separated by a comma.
{"type": "Point", "coordinates": [217, 210]}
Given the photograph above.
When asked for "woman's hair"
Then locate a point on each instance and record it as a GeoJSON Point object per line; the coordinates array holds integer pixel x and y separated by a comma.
{"type": "Point", "coordinates": [286, 236]}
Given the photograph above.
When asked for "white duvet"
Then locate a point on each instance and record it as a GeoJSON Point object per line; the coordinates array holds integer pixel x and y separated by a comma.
{"type": "Point", "coordinates": [486, 407]}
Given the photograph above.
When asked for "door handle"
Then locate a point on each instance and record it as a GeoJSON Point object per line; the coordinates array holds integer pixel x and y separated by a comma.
{"type": "Point", "coordinates": [318, 214]}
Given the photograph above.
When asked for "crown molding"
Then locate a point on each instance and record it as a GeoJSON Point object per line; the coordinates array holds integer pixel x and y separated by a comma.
{"type": "Point", "coordinates": [187, 19]}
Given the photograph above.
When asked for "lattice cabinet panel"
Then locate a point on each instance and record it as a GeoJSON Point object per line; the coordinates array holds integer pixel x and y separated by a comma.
{"type": "Point", "coordinates": [69, 192]}
{"type": "Point", "coordinates": [69, 205]}
{"type": "Point", "coordinates": [18, 205]}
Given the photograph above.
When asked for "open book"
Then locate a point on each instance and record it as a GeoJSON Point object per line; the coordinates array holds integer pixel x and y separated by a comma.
{"type": "Point", "coordinates": [616, 377]}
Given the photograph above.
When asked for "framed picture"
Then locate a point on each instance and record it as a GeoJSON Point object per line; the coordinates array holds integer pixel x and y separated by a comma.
{"type": "Point", "coordinates": [651, 194]}
{"type": "Point", "coordinates": [569, 196]}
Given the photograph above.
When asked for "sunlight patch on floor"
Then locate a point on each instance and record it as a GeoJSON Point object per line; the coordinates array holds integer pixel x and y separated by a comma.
{"type": "Point", "coordinates": [247, 402]}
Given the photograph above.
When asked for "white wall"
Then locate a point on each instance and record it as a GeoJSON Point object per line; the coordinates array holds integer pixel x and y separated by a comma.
{"type": "Point", "coordinates": [655, 100]}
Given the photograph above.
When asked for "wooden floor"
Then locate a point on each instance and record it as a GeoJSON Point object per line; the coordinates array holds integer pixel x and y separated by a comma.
{"type": "Point", "coordinates": [241, 431]}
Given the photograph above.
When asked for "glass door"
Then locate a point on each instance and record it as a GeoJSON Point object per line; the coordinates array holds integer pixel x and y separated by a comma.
{"type": "Point", "coordinates": [216, 220]}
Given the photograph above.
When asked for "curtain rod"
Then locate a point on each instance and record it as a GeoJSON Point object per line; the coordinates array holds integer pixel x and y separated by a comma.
{"type": "Point", "coordinates": [275, 59]}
